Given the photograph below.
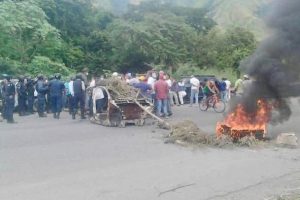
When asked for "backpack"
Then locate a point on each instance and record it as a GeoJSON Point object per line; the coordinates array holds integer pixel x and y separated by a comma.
{"type": "Point", "coordinates": [221, 85]}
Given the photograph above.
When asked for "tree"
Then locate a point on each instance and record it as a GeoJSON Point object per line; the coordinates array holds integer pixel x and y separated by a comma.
{"type": "Point", "coordinates": [159, 38]}
{"type": "Point", "coordinates": [25, 32]}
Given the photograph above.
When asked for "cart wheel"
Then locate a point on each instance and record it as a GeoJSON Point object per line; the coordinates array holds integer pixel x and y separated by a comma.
{"type": "Point", "coordinates": [140, 122]}
{"type": "Point", "coordinates": [115, 119]}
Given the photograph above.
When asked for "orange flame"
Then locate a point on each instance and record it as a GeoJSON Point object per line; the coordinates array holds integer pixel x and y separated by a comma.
{"type": "Point", "coordinates": [240, 121]}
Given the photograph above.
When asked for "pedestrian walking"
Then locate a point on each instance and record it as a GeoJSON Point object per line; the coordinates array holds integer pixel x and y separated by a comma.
{"type": "Point", "coordinates": [174, 92]}
{"type": "Point", "coordinates": [181, 92]}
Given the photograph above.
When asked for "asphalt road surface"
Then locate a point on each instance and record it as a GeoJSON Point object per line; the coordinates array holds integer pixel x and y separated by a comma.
{"type": "Point", "coordinates": [48, 159]}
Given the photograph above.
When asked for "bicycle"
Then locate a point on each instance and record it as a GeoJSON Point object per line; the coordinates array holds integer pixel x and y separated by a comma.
{"type": "Point", "coordinates": [214, 102]}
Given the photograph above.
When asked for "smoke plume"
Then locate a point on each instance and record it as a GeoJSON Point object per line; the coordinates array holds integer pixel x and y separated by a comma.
{"type": "Point", "coordinates": [274, 66]}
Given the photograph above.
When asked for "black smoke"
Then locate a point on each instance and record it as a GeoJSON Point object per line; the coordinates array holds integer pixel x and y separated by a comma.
{"type": "Point", "coordinates": [275, 65]}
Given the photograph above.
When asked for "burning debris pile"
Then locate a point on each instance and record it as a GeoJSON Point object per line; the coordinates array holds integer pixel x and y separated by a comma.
{"type": "Point", "coordinates": [187, 133]}
{"type": "Point", "coordinates": [241, 123]}
{"type": "Point", "coordinates": [275, 70]}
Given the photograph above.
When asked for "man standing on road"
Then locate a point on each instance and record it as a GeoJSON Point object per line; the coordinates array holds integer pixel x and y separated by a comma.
{"type": "Point", "coordinates": [9, 95]}
{"type": "Point", "coordinates": [239, 85]}
{"type": "Point", "coordinates": [30, 94]}
{"type": "Point", "coordinates": [169, 83]}
{"type": "Point", "coordinates": [56, 87]}
{"type": "Point", "coordinates": [78, 93]}
{"type": "Point", "coordinates": [227, 92]}
{"type": "Point", "coordinates": [21, 91]}
{"type": "Point", "coordinates": [151, 81]}
{"type": "Point", "coordinates": [195, 85]}
{"type": "Point", "coordinates": [41, 88]}
{"type": "Point", "coordinates": [161, 89]}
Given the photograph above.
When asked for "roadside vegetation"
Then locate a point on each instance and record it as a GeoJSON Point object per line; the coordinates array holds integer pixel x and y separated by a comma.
{"type": "Point", "coordinates": [49, 36]}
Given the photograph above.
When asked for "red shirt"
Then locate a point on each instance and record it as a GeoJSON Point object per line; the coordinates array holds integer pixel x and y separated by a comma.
{"type": "Point", "coordinates": [161, 89]}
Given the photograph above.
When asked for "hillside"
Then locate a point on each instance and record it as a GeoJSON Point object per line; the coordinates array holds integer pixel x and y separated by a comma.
{"type": "Point", "coordinates": [227, 13]}
{"type": "Point", "coordinates": [248, 14]}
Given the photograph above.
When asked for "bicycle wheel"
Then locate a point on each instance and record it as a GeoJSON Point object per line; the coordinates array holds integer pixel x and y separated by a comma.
{"type": "Point", "coordinates": [219, 106]}
{"type": "Point", "coordinates": [203, 105]}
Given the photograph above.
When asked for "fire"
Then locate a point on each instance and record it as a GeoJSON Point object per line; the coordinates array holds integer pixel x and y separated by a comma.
{"type": "Point", "coordinates": [240, 123]}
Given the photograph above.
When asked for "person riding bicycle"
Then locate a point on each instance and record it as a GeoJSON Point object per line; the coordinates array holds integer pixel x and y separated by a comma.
{"type": "Point", "coordinates": [209, 90]}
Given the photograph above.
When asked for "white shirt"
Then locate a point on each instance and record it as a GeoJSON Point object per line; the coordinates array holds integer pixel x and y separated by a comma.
{"type": "Point", "coordinates": [97, 94]}
{"type": "Point", "coordinates": [71, 89]}
{"type": "Point", "coordinates": [93, 83]}
{"type": "Point", "coordinates": [169, 82]}
{"type": "Point", "coordinates": [133, 81]}
{"type": "Point", "coordinates": [228, 84]}
{"type": "Point", "coordinates": [195, 83]}
{"type": "Point", "coordinates": [151, 82]}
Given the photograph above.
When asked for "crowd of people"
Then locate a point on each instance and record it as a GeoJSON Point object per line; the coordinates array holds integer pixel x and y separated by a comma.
{"type": "Point", "coordinates": [53, 94]}
{"type": "Point", "coordinates": [48, 95]}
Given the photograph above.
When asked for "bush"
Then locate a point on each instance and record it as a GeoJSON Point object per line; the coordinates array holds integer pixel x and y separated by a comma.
{"type": "Point", "coordinates": [187, 70]}
{"type": "Point", "coordinates": [43, 65]}
{"type": "Point", "coordinates": [10, 67]}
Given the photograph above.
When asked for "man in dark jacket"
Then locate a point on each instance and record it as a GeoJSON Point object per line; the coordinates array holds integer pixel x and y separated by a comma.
{"type": "Point", "coordinates": [77, 90]}
{"type": "Point", "coordinates": [9, 95]}
{"type": "Point", "coordinates": [56, 87]}
{"type": "Point", "coordinates": [41, 88]}
{"type": "Point", "coordinates": [30, 94]}
{"type": "Point", "coordinates": [21, 91]}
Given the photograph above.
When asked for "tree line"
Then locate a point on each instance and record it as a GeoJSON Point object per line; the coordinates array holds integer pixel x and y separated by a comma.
{"type": "Point", "coordinates": [50, 36]}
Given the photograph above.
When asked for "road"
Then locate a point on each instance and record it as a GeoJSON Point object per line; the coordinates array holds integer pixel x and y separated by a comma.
{"type": "Point", "coordinates": [48, 159]}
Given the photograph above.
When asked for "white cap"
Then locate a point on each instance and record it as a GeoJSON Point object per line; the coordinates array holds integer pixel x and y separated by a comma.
{"type": "Point", "coordinates": [246, 76]}
{"type": "Point", "coordinates": [115, 74]}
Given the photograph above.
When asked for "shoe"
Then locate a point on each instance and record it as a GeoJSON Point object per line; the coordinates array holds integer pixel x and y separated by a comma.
{"type": "Point", "coordinates": [170, 114]}
{"type": "Point", "coordinates": [54, 115]}
{"type": "Point", "coordinates": [11, 122]}
{"type": "Point", "coordinates": [21, 114]}
{"type": "Point", "coordinates": [42, 115]}
{"type": "Point", "coordinates": [58, 116]}
{"type": "Point", "coordinates": [73, 116]}
{"type": "Point", "coordinates": [83, 117]}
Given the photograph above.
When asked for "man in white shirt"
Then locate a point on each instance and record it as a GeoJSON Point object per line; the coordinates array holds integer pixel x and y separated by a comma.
{"type": "Point", "coordinates": [195, 85]}
{"type": "Point", "coordinates": [98, 100]}
{"type": "Point", "coordinates": [228, 90]}
{"type": "Point", "coordinates": [151, 81]}
{"type": "Point", "coordinates": [77, 90]}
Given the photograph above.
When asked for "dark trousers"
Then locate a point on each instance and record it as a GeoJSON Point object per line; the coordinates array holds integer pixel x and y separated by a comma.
{"type": "Point", "coordinates": [41, 104]}
{"type": "Point", "coordinates": [30, 100]}
{"type": "Point", "coordinates": [9, 109]}
{"type": "Point", "coordinates": [70, 103]}
{"type": "Point", "coordinates": [21, 105]}
{"type": "Point", "coordinates": [78, 99]}
{"type": "Point", "coordinates": [56, 104]}
{"type": "Point", "coordinates": [100, 105]}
